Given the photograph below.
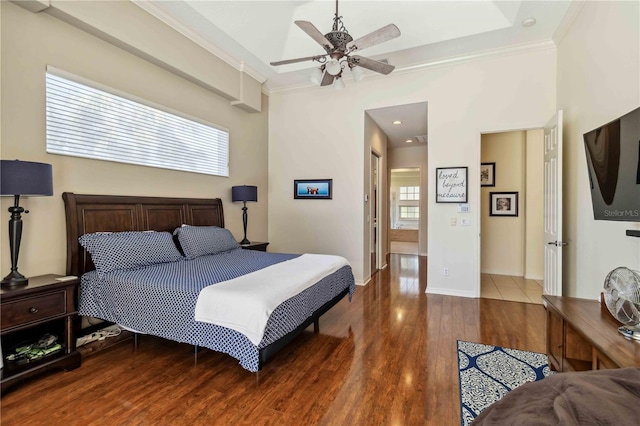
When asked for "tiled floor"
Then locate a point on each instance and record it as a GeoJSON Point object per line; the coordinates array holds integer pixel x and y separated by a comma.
{"type": "Point", "coordinates": [502, 287]}
{"type": "Point", "coordinates": [402, 247]}
{"type": "Point", "coordinates": [516, 289]}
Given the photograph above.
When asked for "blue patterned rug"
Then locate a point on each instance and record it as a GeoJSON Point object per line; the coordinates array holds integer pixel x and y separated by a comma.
{"type": "Point", "coordinates": [487, 373]}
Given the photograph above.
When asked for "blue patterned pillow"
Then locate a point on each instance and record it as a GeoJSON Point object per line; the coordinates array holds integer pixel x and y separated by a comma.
{"type": "Point", "coordinates": [203, 240]}
{"type": "Point", "coordinates": [111, 251]}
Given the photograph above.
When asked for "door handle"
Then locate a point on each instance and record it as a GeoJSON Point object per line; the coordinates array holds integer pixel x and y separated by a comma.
{"type": "Point", "coordinates": [557, 243]}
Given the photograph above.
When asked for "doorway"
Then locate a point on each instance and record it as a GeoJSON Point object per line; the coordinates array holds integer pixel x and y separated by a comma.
{"type": "Point", "coordinates": [511, 244]}
{"type": "Point", "coordinates": [398, 135]}
{"type": "Point", "coordinates": [404, 210]}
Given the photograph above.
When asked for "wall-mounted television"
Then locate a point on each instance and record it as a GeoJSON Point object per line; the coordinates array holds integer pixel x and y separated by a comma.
{"type": "Point", "coordinates": [613, 161]}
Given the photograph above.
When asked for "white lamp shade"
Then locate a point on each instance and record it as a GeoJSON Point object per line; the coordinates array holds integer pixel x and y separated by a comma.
{"type": "Point", "coordinates": [338, 83]}
{"type": "Point", "coordinates": [357, 73]}
{"type": "Point", "coordinates": [333, 67]}
{"type": "Point", "coordinates": [316, 76]}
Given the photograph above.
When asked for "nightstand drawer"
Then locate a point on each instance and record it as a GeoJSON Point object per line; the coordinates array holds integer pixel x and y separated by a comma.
{"type": "Point", "coordinates": [36, 308]}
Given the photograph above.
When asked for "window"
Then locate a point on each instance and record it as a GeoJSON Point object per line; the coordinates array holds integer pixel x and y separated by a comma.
{"type": "Point", "coordinates": [84, 121]}
{"type": "Point", "coordinates": [409, 212]}
{"type": "Point", "coordinates": [409, 193]}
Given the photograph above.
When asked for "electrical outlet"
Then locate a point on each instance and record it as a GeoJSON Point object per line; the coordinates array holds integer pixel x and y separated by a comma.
{"type": "Point", "coordinates": [445, 272]}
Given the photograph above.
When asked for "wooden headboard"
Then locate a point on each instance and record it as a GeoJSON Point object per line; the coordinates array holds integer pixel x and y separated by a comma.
{"type": "Point", "coordinates": [103, 213]}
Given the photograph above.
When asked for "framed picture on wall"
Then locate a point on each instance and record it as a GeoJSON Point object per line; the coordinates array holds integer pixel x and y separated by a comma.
{"type": "Point", "coordinates": [451, 185]}
{"type": "Point", "coordinates": [312, 189]}
{"type": "Point", "coordinates": [487, 174]}
{"type": "Point", "coordinates": [503, 204]}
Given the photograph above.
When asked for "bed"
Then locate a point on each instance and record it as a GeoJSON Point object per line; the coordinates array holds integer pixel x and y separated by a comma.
{"type": "Point", "coordinates": [160, 298]}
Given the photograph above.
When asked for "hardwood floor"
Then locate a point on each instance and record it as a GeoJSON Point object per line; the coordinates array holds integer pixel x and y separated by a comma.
{"type": "Point", "coordinates": [403, 247]}
{"type": "Point", "coordinates": [386, 358]}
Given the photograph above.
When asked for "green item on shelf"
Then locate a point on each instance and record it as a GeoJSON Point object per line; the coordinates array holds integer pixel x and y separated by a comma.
{"type": "Point", "coordinates": [39, 353]}
{"type": "Point", "coordinates": [23, 349]}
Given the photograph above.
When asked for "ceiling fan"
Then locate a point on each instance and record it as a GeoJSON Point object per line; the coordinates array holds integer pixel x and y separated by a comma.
{"type": "Point", "coordinates": [340, 48]}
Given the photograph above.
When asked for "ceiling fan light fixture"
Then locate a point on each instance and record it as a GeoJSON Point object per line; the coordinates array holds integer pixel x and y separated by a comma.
{"type": "Point", "coordinates": [338, 84]}
{"type": "Point", "coordinates": [339, 47]}
{"type": "Point", "coordinates": [316, 76]}
{"type": "Point", "coordinates": [357, 73]}
{"type": "Point", "coordinates": [333, 67]}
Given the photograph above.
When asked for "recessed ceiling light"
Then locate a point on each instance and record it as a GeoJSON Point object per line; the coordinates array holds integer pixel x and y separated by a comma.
{"type": "Point", "coordinates": [529, 22]}
{"type": "Point", "coordinates": [397, 122]}
{"type": "Point", "coordinates": [409, 140]}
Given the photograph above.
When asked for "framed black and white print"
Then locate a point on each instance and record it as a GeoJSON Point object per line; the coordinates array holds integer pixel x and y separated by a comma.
{"type": "Point", "coordinates": [503, 204]}
{"type": "Point", "coordinates": [487, 174]}
{"type": "Point", "coordinates": [451, 185]}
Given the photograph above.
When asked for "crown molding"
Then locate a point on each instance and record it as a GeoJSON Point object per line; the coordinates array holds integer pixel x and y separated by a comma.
{"type": "Point", "coordinates": [453, 60]}
{"type": "Point", "coordinates": [567, 20]}
{"type": "Point", "coordinates": [178, 26]}
{"type": "Point", "coordinates": [481, 55]}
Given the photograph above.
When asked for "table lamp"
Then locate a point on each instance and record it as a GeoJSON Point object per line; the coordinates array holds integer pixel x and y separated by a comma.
{"type": "Point", "coordinates": [28, 179]}
{"type": "Point", "coordinates": [244, 193]}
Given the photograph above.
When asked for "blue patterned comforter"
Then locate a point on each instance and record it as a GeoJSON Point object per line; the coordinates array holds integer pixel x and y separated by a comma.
{"type": "Point", "coordinates": [160, 300]}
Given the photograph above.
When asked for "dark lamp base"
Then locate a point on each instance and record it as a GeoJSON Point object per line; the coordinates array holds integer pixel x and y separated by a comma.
{"type": "Point", "coordinates": [245, 242]}
{"type": "Point", "coordinates": [14, 279]}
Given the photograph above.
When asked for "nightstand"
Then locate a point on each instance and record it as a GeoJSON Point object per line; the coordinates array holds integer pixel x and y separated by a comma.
{"type": "Point", "coordinates": [46, 305]}
{"type": "Point", "coordinates": [255, 246]}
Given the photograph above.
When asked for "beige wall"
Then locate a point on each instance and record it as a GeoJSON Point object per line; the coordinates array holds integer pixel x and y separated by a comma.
{"type": "Point", "coordinates": [319, 132]}
{"type": "Point", "coordinates": [30, 42]}
{"type": "Point", "coordinates": [416, 157]}
{"type": "Point", "coordinates": [503, 237]}
{"type": "Point", "coordinates": [534, 205]}
{"type": "Point", "coordinates": [598, 69]}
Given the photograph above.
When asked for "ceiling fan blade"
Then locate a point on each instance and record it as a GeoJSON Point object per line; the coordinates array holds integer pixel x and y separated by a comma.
{"type": "Point", "coordinates": [371, 64]}
{"type": "Point", "coordinates": [293, 61]}
{"type": "Point", "coordinates": [378, 36]}
{"type": "Point", "coordinates": [327, 79]}
{"type": "Point", "coordinates": [315, 34]}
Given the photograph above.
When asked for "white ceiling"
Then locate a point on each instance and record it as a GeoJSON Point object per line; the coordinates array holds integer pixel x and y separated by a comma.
{"type": "Point", "coordinates": [413, 126]}
{"type": "Point", "coordinates": [249, 34]}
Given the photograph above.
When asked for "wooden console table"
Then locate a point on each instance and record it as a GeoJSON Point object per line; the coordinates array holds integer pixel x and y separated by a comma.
{"type": "Point", "coordinates": [582, 335]}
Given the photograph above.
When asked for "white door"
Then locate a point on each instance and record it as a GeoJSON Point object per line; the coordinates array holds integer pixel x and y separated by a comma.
{"type": "Point", "coordinates": [553, 206]}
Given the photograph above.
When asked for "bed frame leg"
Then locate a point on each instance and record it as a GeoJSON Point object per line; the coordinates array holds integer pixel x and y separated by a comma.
{"type": "Point", "coordinates": [135, 341]}
{"type": "Point", "coordinates": [195, 355]}
{"type": "Point", "coordinates": [316, 325]}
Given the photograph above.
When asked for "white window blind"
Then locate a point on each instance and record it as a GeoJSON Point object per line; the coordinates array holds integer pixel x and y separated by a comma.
{"type": "Point", "coordinates": [84, 121]}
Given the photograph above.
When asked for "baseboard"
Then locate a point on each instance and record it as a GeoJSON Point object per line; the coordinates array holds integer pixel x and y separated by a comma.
{"type": "Point", "coordinates": [511, 274]}
{"type": "Point", "coordinates": [450, 292]}
{"type": "Point", "coordinates": [534, 278]}
{"type": "Point", "coordinates": [363, 283]}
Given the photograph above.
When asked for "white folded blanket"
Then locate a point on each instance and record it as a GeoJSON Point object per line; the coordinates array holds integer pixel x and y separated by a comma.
{"type": "Point", "coordinates": [245, 303]}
